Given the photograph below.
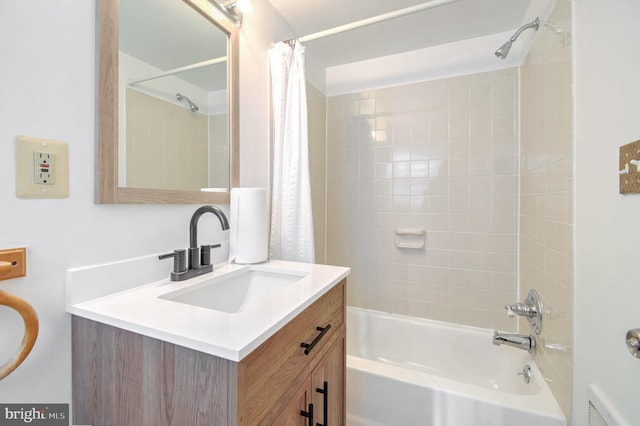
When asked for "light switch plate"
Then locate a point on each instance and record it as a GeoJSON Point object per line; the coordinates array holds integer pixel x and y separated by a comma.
{"type": "Point", "coordinates": [31, 180]}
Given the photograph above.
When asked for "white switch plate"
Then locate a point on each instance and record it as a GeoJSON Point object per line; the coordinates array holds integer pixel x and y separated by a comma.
{"type": "Point", "coordinates": [30, 180]}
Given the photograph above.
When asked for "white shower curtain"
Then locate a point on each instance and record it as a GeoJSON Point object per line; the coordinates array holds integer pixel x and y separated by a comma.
{"type": "Point", "coordinates": [291, 216]}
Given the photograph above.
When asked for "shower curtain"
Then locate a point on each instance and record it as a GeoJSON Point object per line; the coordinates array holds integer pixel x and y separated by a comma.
{"type": "Point", "coordinates": [291, 216]}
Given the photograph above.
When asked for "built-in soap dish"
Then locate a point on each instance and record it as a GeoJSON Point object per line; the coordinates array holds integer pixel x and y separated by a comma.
{"type": "Point", "coordinates": [410, 238]}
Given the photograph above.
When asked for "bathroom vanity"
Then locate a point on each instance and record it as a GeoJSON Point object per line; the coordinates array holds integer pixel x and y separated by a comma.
{"type": "Point", "coordinates": [275, 357]}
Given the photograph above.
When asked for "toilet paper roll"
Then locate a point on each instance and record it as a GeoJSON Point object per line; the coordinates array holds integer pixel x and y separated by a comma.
{"type": "Point", "coordinates": [248, 233]}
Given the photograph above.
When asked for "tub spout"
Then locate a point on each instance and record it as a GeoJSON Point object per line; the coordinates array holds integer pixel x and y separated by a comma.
{"type": "Point", "coordinates": [519, 341]}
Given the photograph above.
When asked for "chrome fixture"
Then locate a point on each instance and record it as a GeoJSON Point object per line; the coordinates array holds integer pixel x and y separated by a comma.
{"type": "Point", "coordinates": [527, 374]}
{"type": "Point", "coordinates": [183, 98]}
{"type": "Point", "coordinates": [531, 309]}
{"type": "Point", "coordinates": [199, 258]}
{"type": "Point", "coordinates": [232, 9]}
{"type": "Point", "coordinates": [633, 342]}
{"type": "Point", "coordinates": [503, 51]}
{"type": "Point", "coordinates": [519, 341]}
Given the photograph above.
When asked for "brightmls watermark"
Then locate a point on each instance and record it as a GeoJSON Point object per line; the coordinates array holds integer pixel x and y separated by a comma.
{"type": "Point", "coordinates": [34, 414]}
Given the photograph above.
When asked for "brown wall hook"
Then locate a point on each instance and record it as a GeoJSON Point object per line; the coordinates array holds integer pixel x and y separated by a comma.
{"type": "Point", "coordinates": [30, 319]}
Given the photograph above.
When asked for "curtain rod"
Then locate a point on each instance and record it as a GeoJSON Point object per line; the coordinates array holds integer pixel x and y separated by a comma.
{"type": "Point", "coordinates": [375, 19]}
{"type": "Point", "coordinates": [179, 70]}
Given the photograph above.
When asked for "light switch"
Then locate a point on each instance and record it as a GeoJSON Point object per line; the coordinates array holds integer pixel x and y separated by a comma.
{"type": "Point", "coordinates": [42, 168]}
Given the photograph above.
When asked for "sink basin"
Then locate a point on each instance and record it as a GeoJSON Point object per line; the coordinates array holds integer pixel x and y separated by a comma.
{"type": "Point", "coordinates": [236, 291]}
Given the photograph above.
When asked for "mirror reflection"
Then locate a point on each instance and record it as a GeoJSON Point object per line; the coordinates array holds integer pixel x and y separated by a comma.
{"type": "Point", "coordinates": [173, 130]}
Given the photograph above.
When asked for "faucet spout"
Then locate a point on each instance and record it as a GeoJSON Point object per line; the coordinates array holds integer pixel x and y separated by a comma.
{"type": "Point", "coordinates": [194, 252]}
{"type": "Point", "coordinates": [519, 341]}
{"type": "Point", "coordinates": [193, 225]}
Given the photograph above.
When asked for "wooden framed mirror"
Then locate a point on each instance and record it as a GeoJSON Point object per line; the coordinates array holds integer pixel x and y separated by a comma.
{"type": "Point", "coordinates": [173, 121]}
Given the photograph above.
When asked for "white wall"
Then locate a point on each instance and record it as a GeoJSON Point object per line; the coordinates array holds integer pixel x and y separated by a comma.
{"type": "Point", "coordinates": [458, 58]}
{"type": "Point", "coordinates": [607, 88]}
{"type": "Point", "coordinates": [48, 67]}
{"type": "Point", "coordinates": [261, 27]}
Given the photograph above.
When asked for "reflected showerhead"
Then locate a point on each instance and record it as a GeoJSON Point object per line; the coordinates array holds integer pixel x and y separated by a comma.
{"type": "Point", "coordinates": [503, 51]}
{"type": "Point", "coordinates": [182, 98]}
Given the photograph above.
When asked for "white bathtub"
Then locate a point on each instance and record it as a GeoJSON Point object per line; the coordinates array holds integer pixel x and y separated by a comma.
{"type": "Point", "coordinates": [404, 371]}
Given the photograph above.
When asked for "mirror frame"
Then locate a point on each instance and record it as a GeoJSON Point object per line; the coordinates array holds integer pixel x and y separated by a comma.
{"type": "Point", "coordinates": [107, 190]}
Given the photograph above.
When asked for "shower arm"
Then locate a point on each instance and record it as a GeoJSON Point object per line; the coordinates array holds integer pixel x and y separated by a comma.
{"type": "Point", "coordinates": [535, 24]}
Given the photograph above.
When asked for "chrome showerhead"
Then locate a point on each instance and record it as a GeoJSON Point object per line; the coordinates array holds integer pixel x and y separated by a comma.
{"type": "Point", "coordinates": [193, 107]}
{"type": "Point", "coordinates": [503, 51]}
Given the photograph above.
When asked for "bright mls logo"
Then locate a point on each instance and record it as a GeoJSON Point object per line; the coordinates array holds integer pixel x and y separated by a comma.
{"type": "Point", "coordinates": [34, 414]}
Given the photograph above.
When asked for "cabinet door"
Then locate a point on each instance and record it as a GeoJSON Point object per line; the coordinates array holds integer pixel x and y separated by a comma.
{"type": "Point", "coordinates": [291, 415]}
{"type": "Point", "coordinates": [270, 375]}
{"type": "Point", "coordinates": [328, 387]}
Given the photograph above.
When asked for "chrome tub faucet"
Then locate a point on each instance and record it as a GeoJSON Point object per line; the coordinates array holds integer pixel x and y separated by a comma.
{"type": "Point", "coordinates": [519, 341]}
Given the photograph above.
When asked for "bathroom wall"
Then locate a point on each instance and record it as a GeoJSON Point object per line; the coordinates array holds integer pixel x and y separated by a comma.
{"type": "Point", "coordinates": [441, 156]}
{"type": "Point", "coordinates": [607, 230]}
{"type": "Point", "coordinates": [48, 63]}
{"type": "Point", "coordinates": [546, 196]}
{"type": "Point", "coordinates": [317, 132]}
{"type": "Point", "coordinates": [261, 27]}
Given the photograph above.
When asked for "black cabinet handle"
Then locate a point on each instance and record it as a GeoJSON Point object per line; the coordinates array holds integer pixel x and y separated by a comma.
{"type": "Point", "coordinates": [324, 390]}
{"type": "Point", "coordinates": [309, 346]}
{"type": "Point", "coordinates": [308, 414]}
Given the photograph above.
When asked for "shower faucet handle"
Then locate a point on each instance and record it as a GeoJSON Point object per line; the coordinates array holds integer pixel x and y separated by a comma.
{"type": "Point", "coordinates": [521, 309]}
{"type": "Point", "coordinates": [531, 309]}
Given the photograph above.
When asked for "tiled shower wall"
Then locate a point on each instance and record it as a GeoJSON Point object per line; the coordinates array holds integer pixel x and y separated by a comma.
{"type": "Point", "coordinates": [219, 151]}
{"type": "Point", "coordinates": [440, 156]}
{"type": "Point", "coordinates": [171, 156]}
{"type": "Point", "coordinates": [546, 229]}
{"type": "Point", "coordinates": [317, 129]}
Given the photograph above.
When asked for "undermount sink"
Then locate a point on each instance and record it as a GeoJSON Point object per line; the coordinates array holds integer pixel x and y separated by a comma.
{"type": "Point", "coordinates": [235, 291]}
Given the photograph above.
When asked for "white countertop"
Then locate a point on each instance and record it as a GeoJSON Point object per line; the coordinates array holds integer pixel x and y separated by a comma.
{"type": "Point", "coordinates": [139, 308]}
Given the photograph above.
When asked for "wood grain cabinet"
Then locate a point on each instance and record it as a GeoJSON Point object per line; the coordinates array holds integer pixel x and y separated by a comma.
{"type": "Point", "coordinates": [320, 399]}
{"type": "Point", "coordinates": [123, 378]}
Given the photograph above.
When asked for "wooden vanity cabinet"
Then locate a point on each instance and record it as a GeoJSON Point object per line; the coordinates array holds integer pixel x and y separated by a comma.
{"type": "Point", "coordinates": [320, 400]}
{"type": "Point", "coordinates": [124, 378]}
{"type": "Point", "coordinates": [270, 376]}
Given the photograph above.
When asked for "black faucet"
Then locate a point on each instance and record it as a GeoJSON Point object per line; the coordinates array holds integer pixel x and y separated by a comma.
{"type": "Point", "coordinates": [199, 257]}
{"type": "Point", "coordinates": [202, 256]}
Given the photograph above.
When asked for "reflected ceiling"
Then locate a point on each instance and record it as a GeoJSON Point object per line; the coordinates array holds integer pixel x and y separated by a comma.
{"type": "Point", "coordinates": [151, 29]}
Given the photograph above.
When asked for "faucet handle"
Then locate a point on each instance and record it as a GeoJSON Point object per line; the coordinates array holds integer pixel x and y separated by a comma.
{"type": "Point", "coordinates": [520, 309]}
{"type": "Point", "coordinates": [179, 260]}
{"type": "Point", "coordinates": [205, 253]}
{"type": "Point", "coordinates": [531, 309]}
